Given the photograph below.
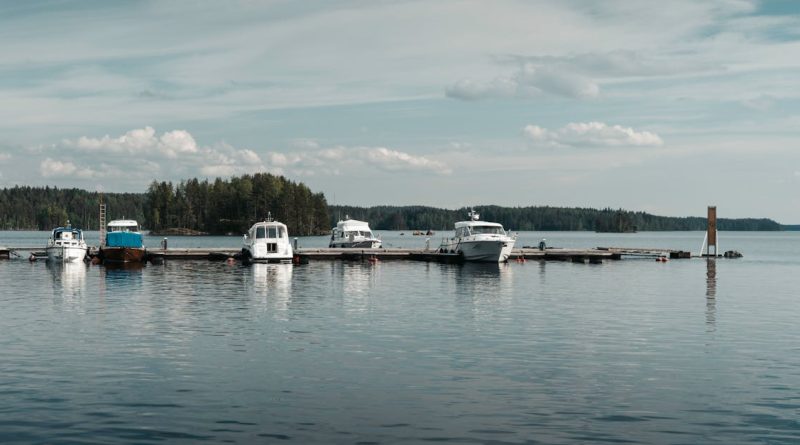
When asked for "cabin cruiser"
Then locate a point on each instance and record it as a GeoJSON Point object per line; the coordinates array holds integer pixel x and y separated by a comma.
{"type": "Point", "coordinates": [123, 243]}
{"type": "Point", "coordinates": [479, 240]}
{"type": "Point", "coordinates": [66, 245]}
{"type": "Point", "coordinates": [267, 242]}
{"type": "Point", "coordinates": [351, 233]}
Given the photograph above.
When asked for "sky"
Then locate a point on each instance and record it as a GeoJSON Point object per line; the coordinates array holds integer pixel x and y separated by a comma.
{"type": "Point", "coordinates": [662, 107]}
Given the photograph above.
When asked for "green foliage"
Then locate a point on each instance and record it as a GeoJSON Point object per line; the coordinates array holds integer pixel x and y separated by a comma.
{"type": "Point", "coordinates": [538, 218]}
{"type": "Point", "coordinates": [232, 206]}
{"type": "Point", "coordinates": [30, 208]}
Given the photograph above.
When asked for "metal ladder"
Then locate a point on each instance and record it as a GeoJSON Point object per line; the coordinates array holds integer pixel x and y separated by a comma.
{"type": "Point", "coordinates": [102, 224]}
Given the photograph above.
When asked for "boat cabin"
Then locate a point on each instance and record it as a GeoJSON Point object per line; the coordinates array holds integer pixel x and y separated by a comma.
{"type": "Point", "coordinates": [123, 233]}
{"type": "Point", "coordinates": [270, 233]}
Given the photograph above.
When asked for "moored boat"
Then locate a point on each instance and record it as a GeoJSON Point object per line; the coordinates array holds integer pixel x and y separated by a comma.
{"type": "Point", "coordinates": [267, 242]}
{"type": "Point", "coordinates": [477, 240]}
{"type": "Point", "coordinates": [123, 243]}
{"type": "Point", "coordinates": [351, 233]}
{"type": "Point", "coordinates": [66, 245]}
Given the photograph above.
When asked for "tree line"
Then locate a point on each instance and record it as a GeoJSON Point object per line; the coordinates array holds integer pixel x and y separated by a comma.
{"type": "Point", "coordinates": [543, 218]}
{"type": "Point", "coordinates": [231, 206]}
{"type": "Point", "coordinates": [44, 208]}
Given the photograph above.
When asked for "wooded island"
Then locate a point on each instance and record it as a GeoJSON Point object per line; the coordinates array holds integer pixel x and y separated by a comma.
{"type": "Point", "coordinates": [230, 206]}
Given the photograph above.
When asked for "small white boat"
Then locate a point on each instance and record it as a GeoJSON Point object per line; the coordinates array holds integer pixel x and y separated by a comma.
{"type": "Point", "coordinates": [479, 240]}
{"type": "Point", "coordinates": [66, 245]}
{"type": "Point", "coordinates": [267, 242]}
{"type": "Point", "coordinates": [351, 233]}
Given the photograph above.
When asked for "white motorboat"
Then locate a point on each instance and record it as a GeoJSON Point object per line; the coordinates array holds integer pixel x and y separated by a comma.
{"type": "Point", "coordinates": [66, 245]}
{"type": "Point", "coordinates": [351, 233]}
{"type": "Point", "coordinates": [479, 240]}
{"type": "Point", "coordinates": [267, 242]}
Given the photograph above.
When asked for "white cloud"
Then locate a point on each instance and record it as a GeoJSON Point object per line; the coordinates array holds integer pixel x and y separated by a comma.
{"type": "Point", "coordinates": [140, 153]}
{"type": "Point", "coordinates": [335, 160]}
{"type": "Point", "coordinates": [51, 168]}
{"type": "Point", "coordinates": [225, 160]}
{"type": "Point", "coordinates": [529, 81]}
{"type": "Point", "coordinates": [138, 142]}
{"type": "Point", "coordinates": [579, 134]}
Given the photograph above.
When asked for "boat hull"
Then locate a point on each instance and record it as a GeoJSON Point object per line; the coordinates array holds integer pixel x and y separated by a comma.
{"type": "Point", "coordinates": [65, 254]}
{"type": "Point", "coordinates": [486, 251]}
{"type": "Point", "coordinates": [272, 260]}
{"type": "Point", "coordinates": [481, 250]}
{"type": "Point", "coordinates": [364, 244]}
{"type": "Point", "coordinates": [123, 254]}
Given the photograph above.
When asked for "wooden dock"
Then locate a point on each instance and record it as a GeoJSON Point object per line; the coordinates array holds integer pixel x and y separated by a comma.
{"type": "Point", "coordinates": [305, 254]}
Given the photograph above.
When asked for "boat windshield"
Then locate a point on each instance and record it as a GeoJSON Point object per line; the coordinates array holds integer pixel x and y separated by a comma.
{"type": "Point", "coordinates": [491, 230]}
{"type": "Point", "coordinates": [365, 233]}
{"type": "Point", "coordinates": [123, 229]}
{"type": "Point", "coordinates": [269, 232]}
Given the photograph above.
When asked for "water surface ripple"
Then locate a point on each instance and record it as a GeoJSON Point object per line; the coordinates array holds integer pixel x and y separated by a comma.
{"type": "Point", "coordinates": [634, 351]}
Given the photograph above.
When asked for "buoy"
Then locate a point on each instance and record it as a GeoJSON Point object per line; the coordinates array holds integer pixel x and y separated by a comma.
{"type": "Point", "coordinates": [32, 258]}
{"type": "Point", "coordinates": [520, 259]}
{"type": "Point", "coordinates": [662, 259]}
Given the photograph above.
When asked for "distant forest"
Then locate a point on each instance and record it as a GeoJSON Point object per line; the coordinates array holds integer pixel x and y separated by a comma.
{"type": "Point", "coordinates": [539, 218]}
{"type": "Point", "coordinates": [231, 206]}
{"type": "Point", "coordinates": [44, 208]}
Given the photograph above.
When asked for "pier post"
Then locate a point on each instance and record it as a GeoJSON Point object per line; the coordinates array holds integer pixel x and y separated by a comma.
{"type": "Point", "coordinates": [711, 233]}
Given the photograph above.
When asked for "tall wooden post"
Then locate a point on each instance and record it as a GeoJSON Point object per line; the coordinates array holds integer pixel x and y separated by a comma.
{"type": "Point", "coordinates": [711, 234]}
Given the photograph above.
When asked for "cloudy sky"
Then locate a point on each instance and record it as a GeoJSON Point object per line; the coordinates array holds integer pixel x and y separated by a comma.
{"type": "Point", "coordinates": [665, 107]}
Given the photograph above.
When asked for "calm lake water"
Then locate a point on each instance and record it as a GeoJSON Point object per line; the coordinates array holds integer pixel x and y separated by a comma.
{"type": "Point", "coordinates": [632, 351]}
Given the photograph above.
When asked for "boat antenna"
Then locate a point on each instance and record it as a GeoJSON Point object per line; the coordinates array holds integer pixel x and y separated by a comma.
{"type": "Point", "coordinates": [473, 215]}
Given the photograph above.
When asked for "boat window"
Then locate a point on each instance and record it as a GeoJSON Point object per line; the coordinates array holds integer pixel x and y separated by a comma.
{"type": "Point", "coordinates": [280, 232]}
{"type": "Point", "coordinates": [272, 232]}
{"type": "Point", "coordinates": [491, 230]}
{"type": "Point", "coordinates": [261, 232]}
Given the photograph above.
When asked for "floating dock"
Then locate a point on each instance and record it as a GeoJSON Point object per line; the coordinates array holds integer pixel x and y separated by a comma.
{"type": "Point", "coordinates": [306, 254]}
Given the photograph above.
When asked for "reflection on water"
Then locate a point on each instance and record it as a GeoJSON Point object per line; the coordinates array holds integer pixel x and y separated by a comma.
{"type": "Point", "coordinates": [273, 284]}
{"type": "Point", "coordinates": [69, 279]}
{"type": "Point", "coordinates": [401, 352]}
{"type": "Point", "coordinates": [482, 288]}
{"type": "Point", "coordinates": [711, 291]}
{"type": "Point", "coordinates": [356, 279]}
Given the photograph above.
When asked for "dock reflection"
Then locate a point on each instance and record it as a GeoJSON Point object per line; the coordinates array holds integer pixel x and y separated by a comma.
{"type": "Point", "coordinates": [711, 291]}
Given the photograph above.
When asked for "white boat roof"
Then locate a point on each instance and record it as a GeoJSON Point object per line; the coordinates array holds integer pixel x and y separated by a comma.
{"type": "Point", "coordinates": [477, 223]}
{"type": "Point", "coordinates": [352, 224]}
{"type": "Point", "coordinates": [268, 223]}
{"type": "Point", "coordinates": [123, 223]}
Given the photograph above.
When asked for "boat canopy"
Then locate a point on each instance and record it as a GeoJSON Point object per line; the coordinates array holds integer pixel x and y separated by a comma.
{"type": "Point", "coordinates": [352, 225]}
{"type": "Point", "coordinates": [67, 233]}
{"type": "Point", "coordinates": [123, 225]}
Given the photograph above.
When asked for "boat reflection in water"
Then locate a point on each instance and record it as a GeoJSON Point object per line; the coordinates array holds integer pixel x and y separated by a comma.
{"type": "Point", "coordinates": [483, 288]}
{"type": "Point", "coordinates": [69, 279]}
{"type": "Point", "coordinates": [273, 283]}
